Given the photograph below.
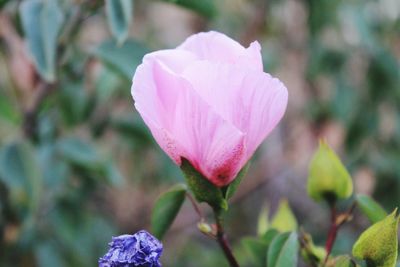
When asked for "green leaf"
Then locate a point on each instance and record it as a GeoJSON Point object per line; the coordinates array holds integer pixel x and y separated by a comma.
{"type": "Point", "coordinates": [48, 254]}
{"type": "Point", "coordinates": [119, 15]}
{"type": "Point", "coordinates": [83, 154]}
{"type": "Point", "coordinates": [231, 189]}
{"type": "Point", "coordinates": [21, 174]}
{"type": "Point", "coordinates": [123, 59]}
{"type": "Point", "coordinates": [203, 190]}
{"type": "Point", "coordinates": [321, 14]}
{"type": "Point", "coordinates": [256, 248]}
{"type": "Point", "coordinates": [74, 225]}
{"type": "Point", "coordinates": [206, 8]}
{"type": "Point", "coordinates": [133, 128]}
{"type": "Point", "coordinates": [283, 251]}
{"type": "Point", "coordinates": [284, 219]}
{"type": "Point", "coordinates": [269, 235]}
{"type": "Point", "coordinates": [79, 152]}
{"type": "Point", "coordinates": [55, 169]}
{"type": "Point", "coordinates": [328, 178]}
{"type": "Point", "coordinates": [107, 84]}
{"type": "Point", "coordinates": [378, 244]}
{"type": "Point", "coordinates": [112, 173]}
{"type": "Point", "coordinates": [74, 92]}
{"type": "Point", "coordinates": [371, 208]}
{"type": "Point", "coordinates": [166, 208]}
{"type": "Point", "coordinates": [42, 22]}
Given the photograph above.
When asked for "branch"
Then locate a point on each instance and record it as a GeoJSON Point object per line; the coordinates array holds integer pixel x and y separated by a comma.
{"type": "Point", "coordinates": [31, 113]}
{"type": "Point", "coordinates": [337, 220]}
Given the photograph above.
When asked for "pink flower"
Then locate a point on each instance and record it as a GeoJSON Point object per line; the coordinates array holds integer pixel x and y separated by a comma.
{"type": "Point", "coordinates": [210, 102]}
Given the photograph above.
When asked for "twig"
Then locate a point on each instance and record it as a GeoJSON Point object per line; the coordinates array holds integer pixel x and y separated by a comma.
{"type": "Point", "coordinates": [331, 234]}
{"type": "Point", "coordinates": [195, 206]}
{"type": "Point", "coordinates": [337, 220]}
{"type": "Point", "coordinates": [30, 116]}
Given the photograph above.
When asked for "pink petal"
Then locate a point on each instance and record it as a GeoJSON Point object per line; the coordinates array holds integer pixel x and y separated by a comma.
{"type": "Point", "coordinates": [143, 80]}
{"type": "Point", "coordinates": [175, 60]}
{"type": "Point", "coordinates": [185, 125]}
{"type": "Point", "coordinates": [218, 47]}
{"type": "Point", "coordinates": [252, 101]}
{"type": "Point", "coordinates": [252, 57]}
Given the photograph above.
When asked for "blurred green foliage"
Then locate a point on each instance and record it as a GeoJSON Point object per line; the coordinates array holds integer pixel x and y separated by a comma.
{"type": "Point", "coordinates": [68, 127]}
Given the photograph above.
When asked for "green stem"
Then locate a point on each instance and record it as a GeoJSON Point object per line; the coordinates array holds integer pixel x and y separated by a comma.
{"type": "Point", "coordinates": [222, 241]}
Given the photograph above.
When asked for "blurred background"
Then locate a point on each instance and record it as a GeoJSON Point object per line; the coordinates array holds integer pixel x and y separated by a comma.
{"type": "Point", "coordinates": [78, 165]}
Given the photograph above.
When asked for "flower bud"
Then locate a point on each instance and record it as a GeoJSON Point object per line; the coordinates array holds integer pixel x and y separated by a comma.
{"type": "Point", "coordinates": [378, 244]}
{"type": "Point", "coordinates": [205, 228]}
{"type": "Point", "coordinates": [328, 178]}
{"type": "Point", "coordinates": [208, 101]}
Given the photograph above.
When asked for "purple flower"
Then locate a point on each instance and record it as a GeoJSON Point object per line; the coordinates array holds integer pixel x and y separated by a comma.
{"type": "Point", "coordinates": [138, 250]}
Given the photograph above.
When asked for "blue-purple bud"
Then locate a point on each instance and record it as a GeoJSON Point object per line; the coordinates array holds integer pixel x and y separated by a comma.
{"type": "Point", "coordinates": [138, 250]}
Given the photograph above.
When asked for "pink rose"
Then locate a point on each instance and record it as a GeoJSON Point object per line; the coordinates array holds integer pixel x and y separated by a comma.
{"type": "Point", "coordinates": [209, 101]}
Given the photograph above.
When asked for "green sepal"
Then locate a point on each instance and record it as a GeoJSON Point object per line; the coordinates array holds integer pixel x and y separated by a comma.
{"type": "Point", "coordinates": [312, 254]}
{"type": "Point", "coordinates": [203, 190]}
{"type": "Point", "coordinates": [328, 178]}
{"type": "Point", "coordinates": [378, 244]}
{"type": "Point", "coordinates": [229, 190]}
{"type": "Point", "coordinates": [344, 261]}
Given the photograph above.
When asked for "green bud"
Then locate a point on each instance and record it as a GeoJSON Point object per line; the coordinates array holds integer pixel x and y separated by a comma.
{"type": "Point", "coordinates": [378, 244]}
{"type": "Point", "coordinates": [284, 219]}
{"type": "Point", "coordinates": [344, 261]}
{"type": "Point", "coordinates": [328, 178]}
{"type": "Point", "coordinates": [205, 228]}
